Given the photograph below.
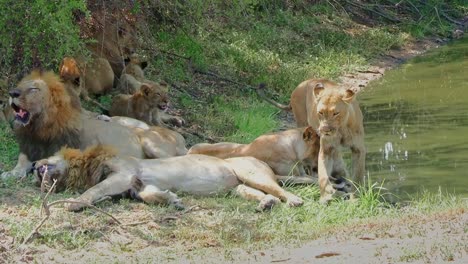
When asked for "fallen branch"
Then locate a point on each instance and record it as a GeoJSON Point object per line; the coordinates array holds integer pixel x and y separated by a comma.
{"type": "Point", "coordinates": [46, 207]}
{"type": "Point", "coordinates": [186, 132]}
{"type": "Point", "coordinates": [373, 10]}
{"type": "Point", "coordinates": [223, 78]}
{"type": "Point", "coordinates": [450, 19]}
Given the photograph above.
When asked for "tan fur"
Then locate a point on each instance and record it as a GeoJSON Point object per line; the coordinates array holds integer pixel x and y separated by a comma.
{"type": "Point", "coordinates": [87, 77]}
{"type": "Point", "coordinates": [6, 113]}
{"type": "Point", "coordinates": [53, 119]}
{"type": "Point", "coordinates": [284, 152]}
{"type": "Point", "coordinates": [315, 102]}
{"type": "Point", "coordinates": [128, 84]}
{"type": "Point", "coordinates": [140, 105]}
{"type": "Point", "coordinates": [116, 37]}
{"type": "Point", "coordinates": [160, 142]}
{"type": "Point", "coordinates": [135, 65]}
{"type": "Point", "coordinates": [132, 75]}
{"type": "Point", "coordinates": [154, 181]}
{"type": "Point", "coordinates": [52, 101]}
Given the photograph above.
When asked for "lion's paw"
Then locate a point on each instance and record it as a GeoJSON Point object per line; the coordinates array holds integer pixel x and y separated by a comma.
{"type": "Point", "coordinates": [76, 205]}
{"type": "Point", "coordinates": [105, 118]}
{"type": "Point", "coordinates": [178, 204]}
{"type": "Point", "coordinates": [178, 121]}
{"type": "Point", "coordinates": [14, 174]}
{"type": "Point", "coordinates": [294, 201]}
{"type": "Point", "coordinates": [328, 194]}
{"type": "Point", "coordinates": [267, 203]}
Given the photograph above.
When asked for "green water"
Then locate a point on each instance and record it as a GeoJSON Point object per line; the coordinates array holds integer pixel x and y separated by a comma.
{"type": "Point", "coordinates": [416, 122]}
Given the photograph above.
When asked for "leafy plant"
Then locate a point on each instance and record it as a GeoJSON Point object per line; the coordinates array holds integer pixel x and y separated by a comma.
{"type": "Point", "coordinates": [38, 33]}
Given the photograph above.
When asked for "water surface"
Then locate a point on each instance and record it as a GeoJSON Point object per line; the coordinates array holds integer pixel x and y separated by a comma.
{"type": "Point", "coordinates": [416, 122]}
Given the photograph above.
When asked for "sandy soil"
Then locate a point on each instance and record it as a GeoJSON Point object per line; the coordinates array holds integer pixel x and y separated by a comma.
{"type": "Point", "coordinates": [438, 238]}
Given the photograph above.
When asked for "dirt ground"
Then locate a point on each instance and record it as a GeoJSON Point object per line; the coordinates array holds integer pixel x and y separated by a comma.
{"type": "Point", "coordinates": [438, 238]}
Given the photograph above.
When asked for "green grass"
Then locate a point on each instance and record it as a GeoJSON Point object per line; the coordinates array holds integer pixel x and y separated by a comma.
{"type": "Point", "coordinates": [248, 43]}
{"type": "Point", "coordinates": [225, 220]}
{"type": "Point", "coordinates": [8, 149]}
{"type": "Point", "coordinates": [252, 42]}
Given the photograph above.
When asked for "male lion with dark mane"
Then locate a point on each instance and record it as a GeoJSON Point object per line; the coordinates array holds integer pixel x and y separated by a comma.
{"type": "Point", "coordinates": [334, 112]}
{"type": "Point", "coordinates": [99, 173]}
{"type": "Point", "coordinates": [48, 117]}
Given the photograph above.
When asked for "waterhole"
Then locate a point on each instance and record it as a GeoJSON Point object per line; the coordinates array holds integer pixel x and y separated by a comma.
{"type": "Point", "coordinates": [416, 124]}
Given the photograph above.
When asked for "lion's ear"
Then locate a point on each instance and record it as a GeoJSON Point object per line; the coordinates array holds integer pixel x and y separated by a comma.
{"type": "Point", "coordinates": [69, 69]}
{"type": "Point", "coordinates": [309, 134]}
{"type": "Point", "coordinates": [318, 89]}
{"type": "Point", "coordinates": [127, 61]}
{"type": "Point", "coordinates": [349, 96]}
{"type": "Point", "coordinates": [145, 89]}
{"type": "Point", "coordinates": [164, 85]}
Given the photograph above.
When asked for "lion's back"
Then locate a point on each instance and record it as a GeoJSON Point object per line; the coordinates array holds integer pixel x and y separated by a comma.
{"type": "Point", "coordinates": [109, 133]}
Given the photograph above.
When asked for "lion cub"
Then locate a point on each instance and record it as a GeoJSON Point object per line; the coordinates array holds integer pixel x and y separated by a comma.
{"type": "Point", "coordinates": [141, 104]}
{"type": "Point", "coordinates": [132, 75]}
{"type": "Point", "coordinates": [147, 105]}
{"type": "Point", "coordinates": [87, 77]}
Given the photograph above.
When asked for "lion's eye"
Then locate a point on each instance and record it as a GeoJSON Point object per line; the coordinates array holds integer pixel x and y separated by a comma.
{"type": "Point", "coordinates": [336, 113]}
{"type": "Point", "coordinates": [320, 113]}
{"type": "Point", "coordinates": [33, 89]}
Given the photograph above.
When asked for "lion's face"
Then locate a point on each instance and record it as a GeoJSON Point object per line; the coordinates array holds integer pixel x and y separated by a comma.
{"type": "Point", "coordinates": [28, 99]}
{"type": "Point", "coordinates": [156, 94]}
{"type": "Point", "coordinates": [138, 60]}
{"type": "Point", "coordinates": [332, 109]}
{"type": "Point", "coordinates": [49, 170]}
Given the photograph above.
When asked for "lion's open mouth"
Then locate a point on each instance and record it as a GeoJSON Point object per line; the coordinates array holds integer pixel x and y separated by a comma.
{"type": "Point", "coordinates": [21, 115]}
{"type": "Point", "coordinates": [44, 174]}
{"type": "Point", "coordinates": [163, 107]}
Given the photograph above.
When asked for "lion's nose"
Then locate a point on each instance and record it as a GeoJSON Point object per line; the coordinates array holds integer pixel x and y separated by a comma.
{"type": "Point", "coordinates": [14, 93]}
{"type": "Point", "coordinates": [327, 129]}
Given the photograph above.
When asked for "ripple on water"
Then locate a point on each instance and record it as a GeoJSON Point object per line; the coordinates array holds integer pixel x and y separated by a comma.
{"type": "Point", "coordinates": [416, 121]}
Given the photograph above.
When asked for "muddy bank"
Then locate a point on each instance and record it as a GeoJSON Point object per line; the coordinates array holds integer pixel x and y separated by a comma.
{"type": "Point", "coordinates": [392, 59]}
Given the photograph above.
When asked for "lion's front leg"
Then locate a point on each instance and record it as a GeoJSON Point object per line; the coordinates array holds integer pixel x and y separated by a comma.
{"type": "Point", "coordinates": [174, 120]}
{"type": "Point", "coordinates": [358, 156]}
{"type": "Point", "coordinates": [21, 169]}
{"type": "Point", "coordinates": [115, 184]}
{"type": "Point", "coordinates": [325, 167]}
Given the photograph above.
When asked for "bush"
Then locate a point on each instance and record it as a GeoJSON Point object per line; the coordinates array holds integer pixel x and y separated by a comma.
{"type": "Point", "coordinates": [38, 33]}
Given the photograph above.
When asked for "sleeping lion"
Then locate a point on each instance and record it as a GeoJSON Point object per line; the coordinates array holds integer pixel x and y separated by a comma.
{"type": "Point", "coordinates": [100, 173]}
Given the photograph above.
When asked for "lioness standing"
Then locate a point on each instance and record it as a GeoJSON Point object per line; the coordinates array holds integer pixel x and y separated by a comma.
{"type": "Point", "coordinates": [334, 112]}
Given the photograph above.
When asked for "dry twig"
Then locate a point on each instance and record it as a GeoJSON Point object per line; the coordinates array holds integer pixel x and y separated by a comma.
{"type": "Point", "coordinates": [46, 207]}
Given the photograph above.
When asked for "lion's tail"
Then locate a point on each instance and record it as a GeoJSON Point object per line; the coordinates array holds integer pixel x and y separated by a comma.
{"type": "Point", "coordinates": [261, 92]}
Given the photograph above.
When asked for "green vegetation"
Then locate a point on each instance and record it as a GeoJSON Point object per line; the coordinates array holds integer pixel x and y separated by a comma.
{"type": "Point", "coordinates": [213, 53]}
{"type": "Point", "coordinates": [38, 33]}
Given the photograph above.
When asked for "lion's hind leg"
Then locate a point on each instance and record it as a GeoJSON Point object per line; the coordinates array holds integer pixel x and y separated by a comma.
{"type": "Point", "coordinates": [153, 195]}
{"type": "Point", "coordinates": [267, 201]}
{"type": "Point", "coordinates": [259, 175]}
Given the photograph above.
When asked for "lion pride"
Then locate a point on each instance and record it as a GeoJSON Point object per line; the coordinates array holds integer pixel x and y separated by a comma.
{"type": "Point", "coordinates": [48, 117]}
{"type": "Point", "coordinates": [334, 112]}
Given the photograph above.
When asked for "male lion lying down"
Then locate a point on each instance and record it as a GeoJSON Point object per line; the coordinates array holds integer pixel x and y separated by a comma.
{"type": "Point", "coordinates": [98, 171]}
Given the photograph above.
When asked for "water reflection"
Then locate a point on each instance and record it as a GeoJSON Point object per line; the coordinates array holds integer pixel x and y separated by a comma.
{"type": "Point", "coordinates": [416, 121]}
